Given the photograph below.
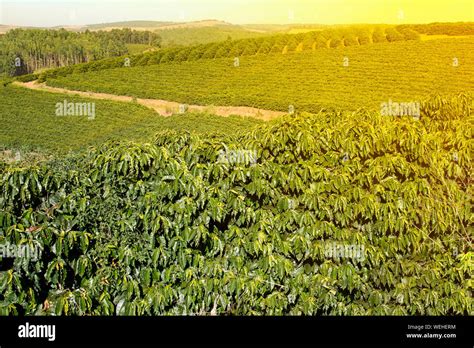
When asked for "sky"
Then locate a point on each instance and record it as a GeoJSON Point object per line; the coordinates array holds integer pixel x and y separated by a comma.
{"type": "Point", "coordinates": [79, 12]}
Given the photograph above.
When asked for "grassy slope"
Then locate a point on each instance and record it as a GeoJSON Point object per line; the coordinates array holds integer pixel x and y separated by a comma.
{"type": "Point", "coordinates": [402, 71]}
{"type": "Point", "coordinates": [193, 36]}
{"type": "Point", "coordinates": [28, 120]}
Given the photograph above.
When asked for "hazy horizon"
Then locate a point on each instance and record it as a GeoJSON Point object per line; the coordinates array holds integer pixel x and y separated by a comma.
{"type": "Point", "coordinates": [51, 13]}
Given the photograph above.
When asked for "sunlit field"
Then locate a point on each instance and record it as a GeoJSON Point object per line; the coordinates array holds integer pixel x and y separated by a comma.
{"type": "Point", "coordinates": [202, 167]}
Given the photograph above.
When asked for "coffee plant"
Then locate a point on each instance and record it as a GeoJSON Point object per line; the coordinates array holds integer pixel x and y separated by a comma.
{"type": "Point", "coordinates": [166, 228]}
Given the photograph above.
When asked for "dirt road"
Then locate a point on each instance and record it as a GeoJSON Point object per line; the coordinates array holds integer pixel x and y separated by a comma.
{"type": "Point", "coordinates": [162, 107]}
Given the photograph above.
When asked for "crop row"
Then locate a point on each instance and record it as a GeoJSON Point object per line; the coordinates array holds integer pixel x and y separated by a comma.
{"type": "Point", "coordinates": [277, 44]}
{"type": "Point", "coordinates": [402, 72]}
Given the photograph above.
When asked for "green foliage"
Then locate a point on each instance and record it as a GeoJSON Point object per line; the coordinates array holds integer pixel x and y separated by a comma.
{"type": "Point", "coordinates": [452, 29]}
{"type": "Point", "coordinates": [281, 43]}
{"type": "Point", "coordinates": [27, 78]}
{"type": "Point", "coordinates": [305, 80]}
{"type": "Point", "coordinates": [211, 48]}
{"type": "Point", "coordinates": [351, 40]}
{"type": "Point", "coordinates": [137, 48]}
{"type": "Point", "coordinates": [408, 34]}
{"type": "Point", "coordinates": [37, 49]}
{"type": "Point", "coordinates": [28, 118]}
{"type": "Point", "coordinates": [336, 43]}
{"type": "Point", "coordinates": [167, 228]}
{"type": "Point", "coordinates": [379, 35]}
{"type": "Point", "coordinates": [393, 35]}
{"type": "Point", "coordinates": [204, 35]}
{"type": "Point", "coordinates": [5, 81]}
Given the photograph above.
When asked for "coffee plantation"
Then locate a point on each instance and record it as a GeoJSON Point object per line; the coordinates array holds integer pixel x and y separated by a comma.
{"type": "Point", "coordinates": [26, 114]}
{"type": "Point", "coordinates": [345, 78]}
{"type": "Point", "coordinates": [275, 44]}
{"type": "Point", "coordinates": [165, 227]}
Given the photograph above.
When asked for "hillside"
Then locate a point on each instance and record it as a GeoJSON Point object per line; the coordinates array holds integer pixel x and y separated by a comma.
{"type": "Point", "coordinates": [24, 114]}
{"type": "Point", "coordinates": [195, 40]}
{"type": "Point", "coordinates": [281, 43]}
{"type": "Point", "coordinates": [186, 36]}
{"type": "Point", "coordinates": [188, 33]}
{"type": "Point", "coordinates": [308, 80]}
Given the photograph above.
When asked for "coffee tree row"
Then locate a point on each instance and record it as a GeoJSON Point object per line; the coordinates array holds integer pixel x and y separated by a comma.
{"type": "Point", "coordinates": [278, 44]}
{"type": "Point", "coordinates": [306, 80]}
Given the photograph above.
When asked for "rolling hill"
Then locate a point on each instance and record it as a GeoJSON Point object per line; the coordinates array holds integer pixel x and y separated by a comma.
{"type": "Point", "coordinates": [343, 78]}
{"type": "Point", "coordinates": [24, 114]}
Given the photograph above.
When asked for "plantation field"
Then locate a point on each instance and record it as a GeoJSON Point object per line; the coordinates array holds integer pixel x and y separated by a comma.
{"type": "Point", "coordinates": [196, 35]}
{"type": "Point", "coordinates": [399, 71]}
{"type": "Point", "coordinates": [335, 209]}
{"type": "Point", "coordinates": [182, 226]}
{"type": "Point", "coordinates": [137, 48]}
{"type": "Point", "coordinates": [280, 43]}
{"type": "Point", "coordinates": [28, 120]}
{"type": "Point", "coordinates": [425, 37]}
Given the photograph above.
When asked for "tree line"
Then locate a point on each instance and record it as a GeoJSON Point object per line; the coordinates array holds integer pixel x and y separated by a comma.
{"type": "Point", "coordinates": [24, 51]}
